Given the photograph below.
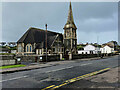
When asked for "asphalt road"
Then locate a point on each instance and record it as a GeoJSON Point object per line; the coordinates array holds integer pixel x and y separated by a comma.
{"type": "Point", "coordinates": [54, 75]}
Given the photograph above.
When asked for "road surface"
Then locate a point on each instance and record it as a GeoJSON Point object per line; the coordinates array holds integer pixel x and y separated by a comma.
{"type": "Point", "coordinates": [54, 75]}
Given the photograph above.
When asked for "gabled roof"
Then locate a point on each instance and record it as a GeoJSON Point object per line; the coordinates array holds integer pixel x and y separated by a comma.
{"type": "Point", "coordinates": [35, 35]}
{"type": "Point", "coordinates": [96, 46]}
{"type": "Point", "coordinates": [109, 46]}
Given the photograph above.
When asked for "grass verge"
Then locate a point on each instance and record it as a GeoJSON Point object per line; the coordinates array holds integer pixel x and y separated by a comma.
{"type": "Point", "coordinates": [12, 66]}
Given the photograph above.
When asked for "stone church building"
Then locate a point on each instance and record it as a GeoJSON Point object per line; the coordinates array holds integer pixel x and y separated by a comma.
{"type": "Point", "coordinates": [34, 40]}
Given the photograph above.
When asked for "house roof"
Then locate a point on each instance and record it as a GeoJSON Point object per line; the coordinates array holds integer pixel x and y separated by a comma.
{"type": "Point", "coordinates": [38, 36]}
{"type": "Point", "coordinates": [93, 45]}
{"type": "Point", "coordinates": [109, 46]}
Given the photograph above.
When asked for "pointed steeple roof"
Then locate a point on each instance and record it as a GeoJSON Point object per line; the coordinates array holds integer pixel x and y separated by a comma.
{"type": "Point", "coordinates": [70, 20]}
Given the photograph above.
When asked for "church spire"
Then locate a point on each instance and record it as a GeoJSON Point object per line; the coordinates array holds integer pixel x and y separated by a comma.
{"type": "Point", "coordinates": [70, 14]}
{"type": "Point", "coordinates": [70, 20]}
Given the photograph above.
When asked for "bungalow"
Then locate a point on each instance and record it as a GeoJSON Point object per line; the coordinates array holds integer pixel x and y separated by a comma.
{"type": "Point", "coordinates": [89, 49]}
{"type": "Point", "coordinates": [107, 49]}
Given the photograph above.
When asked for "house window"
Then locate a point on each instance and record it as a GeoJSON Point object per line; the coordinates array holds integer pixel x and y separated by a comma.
{"type": "Point", "coordinates": [91, 52]}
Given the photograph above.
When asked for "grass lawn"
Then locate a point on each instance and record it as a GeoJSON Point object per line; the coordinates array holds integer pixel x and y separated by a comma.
{"type": "Point", "coordinates": [7, 54]}
{"type": "Point", "coordinates": [12, 66]}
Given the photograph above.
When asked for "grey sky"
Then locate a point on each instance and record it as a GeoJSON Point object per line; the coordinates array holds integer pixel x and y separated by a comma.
{"type": "Point", "coordinates": [91, 18]}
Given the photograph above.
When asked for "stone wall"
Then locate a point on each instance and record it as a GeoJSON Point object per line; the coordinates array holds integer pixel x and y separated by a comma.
{"type": "Point", "coordinates": [37, 58]}
{"type": "Point", "coordinates": [80, 56]}
{"type": "Point", "coordinates": [7, 60]}
{"type": "Point", "coordinates": [11, 59]}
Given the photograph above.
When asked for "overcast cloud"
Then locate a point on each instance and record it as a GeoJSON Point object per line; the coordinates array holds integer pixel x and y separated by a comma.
{"type": "Point", "coordinates": [91, 18]}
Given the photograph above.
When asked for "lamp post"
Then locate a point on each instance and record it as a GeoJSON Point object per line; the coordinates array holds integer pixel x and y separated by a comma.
{"type": "Point", "coordinates": [46, 41]}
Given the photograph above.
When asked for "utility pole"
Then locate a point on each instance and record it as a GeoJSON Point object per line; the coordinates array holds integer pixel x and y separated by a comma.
{"type": "Point", "coordinates": [46, 41]}
{"type": "Point", "coordinates": [58, 45]}
{"type": "Point", "coordinates": [97, 45]}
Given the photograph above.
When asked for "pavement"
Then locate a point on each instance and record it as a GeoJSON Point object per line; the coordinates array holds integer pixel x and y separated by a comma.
{"type": "Point", "coordinates": [31, 66]}
{"type": "Point", "coordinates": [61, 75]}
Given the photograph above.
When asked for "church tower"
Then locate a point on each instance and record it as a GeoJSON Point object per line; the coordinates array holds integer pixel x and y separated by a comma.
{"type": "Point", "coordinates": [70, 37]}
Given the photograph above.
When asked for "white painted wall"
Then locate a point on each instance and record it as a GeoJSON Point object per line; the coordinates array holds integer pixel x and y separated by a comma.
{"type": "Point", "coordinates": [107, 49]}
{"type": "Point", "coordinates": [87, 52]}
{"type": "Point", "coordinates": [13, 51]}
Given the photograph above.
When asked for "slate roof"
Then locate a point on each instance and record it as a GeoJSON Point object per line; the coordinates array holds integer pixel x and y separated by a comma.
{"type": "Point", "coordinates": [35, 35]}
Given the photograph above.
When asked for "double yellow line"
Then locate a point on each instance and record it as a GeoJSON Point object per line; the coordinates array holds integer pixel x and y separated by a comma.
{"type": "Point", "coordinates": [75, 79]}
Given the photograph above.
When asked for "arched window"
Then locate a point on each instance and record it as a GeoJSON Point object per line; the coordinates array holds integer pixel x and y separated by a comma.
{"type": "Point", "coordinates": [19, 48]}
{"type": "Point", "coordinates": [30, 48]}
{"type": "Point", "coordinates": [27, 48]}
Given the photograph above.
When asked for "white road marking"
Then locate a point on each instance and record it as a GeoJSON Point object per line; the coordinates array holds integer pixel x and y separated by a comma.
{"type": "Point", "coordinates": [13, 78]}
{"type": "Point", "coordinates": [59, 69]}
{"type": "Point", "coordinates": [85, 64]}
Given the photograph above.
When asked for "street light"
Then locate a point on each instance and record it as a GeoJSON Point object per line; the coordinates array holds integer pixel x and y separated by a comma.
{"type": "Point", "coordinates": [46, 41]}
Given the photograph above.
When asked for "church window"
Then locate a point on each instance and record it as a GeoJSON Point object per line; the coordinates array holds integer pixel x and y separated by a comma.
{"type": "Point", "coordinates": [30, 49]}
{"type": "Point", "coordinates": [27, 48]}
{"type": "Point", "coordinates": [74, 42]}
{"type": "Point", "coordinates": [62, 49]}
{"type": "Point", "coordinates": [49, 52]}
{"type": "Point", "coordinates": [19, 48]}
{"type": "Point", "coordinates": [40, 51]}
{"type": "Point", "coordinates": [67, 43]}
{"type": "Point", "coordinates": [53, 49]}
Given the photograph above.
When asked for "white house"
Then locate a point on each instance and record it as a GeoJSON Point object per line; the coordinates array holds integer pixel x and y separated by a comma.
{"type": "Point", "coordinates": [89, 49]}
{"type": "Point", "coordinates": [13, 51]}
{"type": "Point", "coordinates": [107, 49]}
